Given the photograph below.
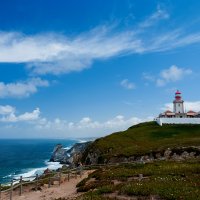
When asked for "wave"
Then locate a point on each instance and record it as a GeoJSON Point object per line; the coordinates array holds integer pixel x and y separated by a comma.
{"type": "Point", "coordinates": [67, 148]}
{"type": "Point", "coordinates": [82, 141]}
{"type": "Point", "coordinates": [8, 176]}
{"type": "Point", "coordinates": [86, 140]}
{"type": "Point", "coordinates": [31, 173]}
{"type": "Point", "coordinates": [53, 165]}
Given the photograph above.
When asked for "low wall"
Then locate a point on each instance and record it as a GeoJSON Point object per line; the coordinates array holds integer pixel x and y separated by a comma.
{"type": "Point", "coordinates": [162, 121]}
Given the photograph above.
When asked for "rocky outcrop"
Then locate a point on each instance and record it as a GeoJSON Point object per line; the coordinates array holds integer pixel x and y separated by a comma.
{"type": "Point", "coordinates": [69, 156]}
{"type": "Point", "coordinates": [94, 156]}
{"type": "Point", "coordinates": [89, 154]}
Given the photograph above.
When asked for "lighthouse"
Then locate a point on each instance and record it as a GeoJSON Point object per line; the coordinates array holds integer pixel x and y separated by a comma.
{"type": "Point", "coordinates": [178, 115]}
{"type": "Point", "coordinates": [178, 105]}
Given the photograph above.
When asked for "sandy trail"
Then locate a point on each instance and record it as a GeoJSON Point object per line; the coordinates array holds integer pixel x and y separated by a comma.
{"type": "Point", "coordinates": [65, 190]}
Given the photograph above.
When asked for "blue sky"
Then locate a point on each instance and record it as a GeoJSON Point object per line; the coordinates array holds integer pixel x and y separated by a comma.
{"type": "Point", "coordinates": [88, 68]}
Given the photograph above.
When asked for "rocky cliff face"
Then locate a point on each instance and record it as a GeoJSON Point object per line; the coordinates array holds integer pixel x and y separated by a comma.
{"type": "Point", "coordinates": [88, 154]}
{"type": "Point", "coordinates": [70, 156]}
{"type": "Point", "coordinates": [94, 156]}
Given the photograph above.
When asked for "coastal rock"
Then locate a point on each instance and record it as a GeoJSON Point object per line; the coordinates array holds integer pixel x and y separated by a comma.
{"type": "Point", "coordinates": [95, 156]}
{"type": "Point", "coordinates": [59, 154]}
{"type": "Point", "coordinates": [167, 153]}
{"type": "Point", "coordinates": [88, 153]}
{"type": "Point", "coordinates": [69, 156]}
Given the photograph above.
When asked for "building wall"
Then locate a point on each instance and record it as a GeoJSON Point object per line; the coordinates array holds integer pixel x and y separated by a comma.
{"type": "Point", "coordinates": [178, 107]}
{"type": "Point", "coordinates": [162, 121]}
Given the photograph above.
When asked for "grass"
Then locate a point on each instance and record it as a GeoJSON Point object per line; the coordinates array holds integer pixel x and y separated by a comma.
{"type": "Point", "coordinates": [144, 138]}
{"type": "Point", "coordinates": [4, 187]}
{"type": "Point", "coordinates": [166, 179]}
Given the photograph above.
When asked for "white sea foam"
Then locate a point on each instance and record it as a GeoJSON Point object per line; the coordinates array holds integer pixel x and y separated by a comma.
{"type": "Point", "coordinates": [8, 176]}
{"type": "Point", "coordinates": [82, 141]}
{"type": "Point", "coordinates": [31, 173]}
{"type": "Point", "coordinates": [86, 140]}
{"type": "Point", "coordinates": [67, 148]}
{"type": "Point", "coordinates": [53, 165]}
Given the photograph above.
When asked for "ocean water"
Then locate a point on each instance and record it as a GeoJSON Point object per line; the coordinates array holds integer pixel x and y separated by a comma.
{"type": "Point", "coordinates": [27, 157]}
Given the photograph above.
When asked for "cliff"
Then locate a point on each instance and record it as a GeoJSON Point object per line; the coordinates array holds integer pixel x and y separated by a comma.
{"type": "Point", "coordinates": [146, 142]}
{"type": "Point", "coordinates": [142, 178]}
{"type": "Point", "coordinates": [70, 156]}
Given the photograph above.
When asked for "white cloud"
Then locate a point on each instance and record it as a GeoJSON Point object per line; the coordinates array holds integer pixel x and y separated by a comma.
{"type": "Point", "coordinates": [29, 116]}
{"type": "Point", "coordinates": [87, 127]}
{"type": "Point", "coordinates": [121, 121]}
{"type": "Point", "coordinates": [57, 54]}
{"type": "Point", "coordinates": [171, 74]}
{"type": "Point", "coordinates": [195, 106]}
{"type": "Point", "coordinates": [148, 77]}
{"type": "Point", "coordinates": [189, 105]}
{"type": "Point", "coordinates": [174, 73]}
{"type": "Point", "coordinates": [9, 115]}
{"type": "Point", "coordinates": [21, 89]}
{"type": "Point", "coordinates": [33, 122]}
{"type": "Point", "coordinates": [118, 122]}
{"type": "Point", "coordinates": [5, 110]}
{"type": "Point", "coordinates": [127, 84]}
{"type": "Point", "coordinates": [160, 82]}
{"type": "Point", "coordinates": [167, 106]}
{"type": "Point", "coordinates": [155, 17]}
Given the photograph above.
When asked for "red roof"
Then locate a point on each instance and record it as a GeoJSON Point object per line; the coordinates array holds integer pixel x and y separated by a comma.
{"type": "Point", "coordinates": [191, 111]}
{"type": "Point", "coordinates": [178, 92]}
{"type": "Point", "coordinates": [168, 111]}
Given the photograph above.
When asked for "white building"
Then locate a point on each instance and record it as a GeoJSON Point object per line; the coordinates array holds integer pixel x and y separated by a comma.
{"type": "Point", "coordinates": [178, 115]}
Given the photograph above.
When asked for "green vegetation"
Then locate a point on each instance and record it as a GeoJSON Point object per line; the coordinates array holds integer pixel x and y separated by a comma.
{"type": "Point", "coordinates": [44, 179]}
{"type": "Point", "coordinates": [168, 179]}
{"type": "Point", "coordinates": [4, 187]}
{"type": "Point", "coordinates": [165, 179]}
{"type": "Point", "coordinates": [145, 138]}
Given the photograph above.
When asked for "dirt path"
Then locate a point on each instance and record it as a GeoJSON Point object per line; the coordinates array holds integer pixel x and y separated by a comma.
{"type": "Point", "coordinates": [65, 190]}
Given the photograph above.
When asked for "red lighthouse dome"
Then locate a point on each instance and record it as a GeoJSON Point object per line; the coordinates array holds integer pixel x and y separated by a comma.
{"type": "Point", "coordinates": [178, 95]}
{"type": "Point", "coordinates": [178, 92]}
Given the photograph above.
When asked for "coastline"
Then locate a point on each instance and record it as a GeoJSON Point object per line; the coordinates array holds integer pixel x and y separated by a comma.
{"type": "Point", "coordinates": [44, 176]}
{"type": "Point", "coordinates": [27, 157]}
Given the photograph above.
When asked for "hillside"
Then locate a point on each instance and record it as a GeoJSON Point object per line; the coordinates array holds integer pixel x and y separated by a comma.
{"type": "Point", "coordinates": [166, 180]}
{"type": "Point", "coordinates": [145, 138]}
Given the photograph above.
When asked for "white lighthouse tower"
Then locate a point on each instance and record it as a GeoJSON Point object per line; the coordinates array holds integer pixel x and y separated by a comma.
{"type": "Point", "coordinates": [179, 105]}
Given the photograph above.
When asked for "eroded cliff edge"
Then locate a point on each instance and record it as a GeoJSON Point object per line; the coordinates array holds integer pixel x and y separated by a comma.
{"type": "Point", "coordinates": [69, 156]}
{"type": "Point", "coordinates": [145, 142]}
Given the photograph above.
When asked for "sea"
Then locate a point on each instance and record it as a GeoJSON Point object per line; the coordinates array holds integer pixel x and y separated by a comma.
{"type": "Point", "coordinates": [28, 157]}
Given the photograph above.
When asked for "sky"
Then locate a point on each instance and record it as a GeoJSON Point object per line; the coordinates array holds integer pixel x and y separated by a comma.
{"type": "Point", "coordinates": [76, 69]}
